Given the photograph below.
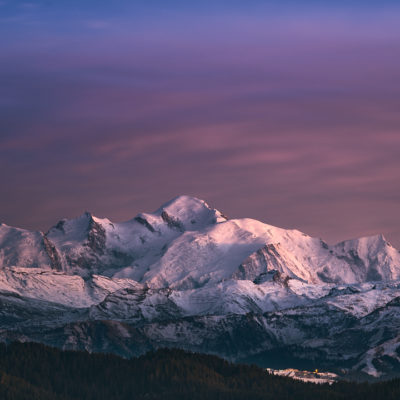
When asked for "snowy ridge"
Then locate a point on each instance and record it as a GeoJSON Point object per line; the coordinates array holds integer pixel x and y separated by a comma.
{"type": "Point", "coordinates": [57, 287]}
{"type": "Point", "coordinates": [187, 276]}
{"type": "Point", "coordinates": [186, 244]}
{"type": "Point", "coordinates": [23, 248]}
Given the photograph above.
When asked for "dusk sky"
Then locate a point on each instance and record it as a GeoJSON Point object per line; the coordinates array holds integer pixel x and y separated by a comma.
{"type": "Point", "coordinates": [283, 111]}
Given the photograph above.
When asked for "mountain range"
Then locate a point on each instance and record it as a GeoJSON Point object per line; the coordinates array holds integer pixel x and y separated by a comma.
{"type": "Point", "coordinates": [187, 276]}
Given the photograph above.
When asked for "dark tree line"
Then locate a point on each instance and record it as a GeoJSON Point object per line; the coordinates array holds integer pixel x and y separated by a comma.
{"type": "Point", "coordinates": [35, 372]}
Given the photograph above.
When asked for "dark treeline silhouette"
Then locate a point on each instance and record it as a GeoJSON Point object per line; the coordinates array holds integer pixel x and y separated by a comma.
{"type": "Point", "coordinates": [31, 371]}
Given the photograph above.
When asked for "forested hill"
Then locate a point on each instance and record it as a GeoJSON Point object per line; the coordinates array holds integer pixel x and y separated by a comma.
{"type": "Point", "coordinates": [36, 372]}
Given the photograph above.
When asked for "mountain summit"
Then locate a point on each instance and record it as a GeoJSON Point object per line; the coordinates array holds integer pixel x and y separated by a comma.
{"type": "Point", "coordinates": [187, 244]}
{"type": "Point", "coordinates": [187, 276]}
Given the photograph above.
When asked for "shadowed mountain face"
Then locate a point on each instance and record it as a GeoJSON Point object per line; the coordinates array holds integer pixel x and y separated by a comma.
{"type": "Point", "coordinates": [187, 276]}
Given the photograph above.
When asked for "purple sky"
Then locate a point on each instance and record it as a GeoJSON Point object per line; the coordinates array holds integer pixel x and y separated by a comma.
{"type": "Point", "coordinates": [289, 114]}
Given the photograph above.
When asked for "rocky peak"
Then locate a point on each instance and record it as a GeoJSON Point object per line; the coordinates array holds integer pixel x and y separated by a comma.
{"type": "Point", "coordinates": [189, 213]}
{"type": "Point", "coordinates": [96, 238]}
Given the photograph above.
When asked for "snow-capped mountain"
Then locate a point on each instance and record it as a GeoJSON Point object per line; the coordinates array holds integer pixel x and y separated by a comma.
{"type": "Point", "coordinates": [187, 276]}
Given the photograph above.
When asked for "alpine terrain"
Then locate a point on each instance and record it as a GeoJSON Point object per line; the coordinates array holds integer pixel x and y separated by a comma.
{"type": "Point", "coordinates": [186, 276]}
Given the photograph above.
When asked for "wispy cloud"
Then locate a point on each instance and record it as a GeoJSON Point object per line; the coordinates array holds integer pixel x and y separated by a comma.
{"type": "Point", "coordinates": [97, 24]}
{"type": "Point", "coordinates": [29, 5]}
